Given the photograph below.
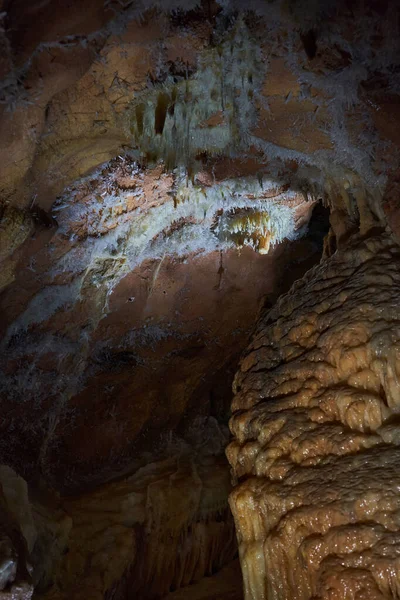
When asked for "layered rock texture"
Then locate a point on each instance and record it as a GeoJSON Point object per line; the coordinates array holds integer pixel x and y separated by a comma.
{"type": "Point", "coordinates": [167, 169]}
{"type": "Point", "coordinates": [164, 528]}
{"type": "Point", "coordinates": [316, 434]}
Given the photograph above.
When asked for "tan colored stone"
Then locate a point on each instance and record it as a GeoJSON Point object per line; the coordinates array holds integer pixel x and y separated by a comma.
{"type": "Point", "coordinates": [316, 437]}
{"type": "Point", "coordinates": [125, 532]}
{"type": "Point", "coordinates": [214, 120]}
{"type": "Point", "coordinates": [280, 80]}
{"type": "Point", "coordinates": [294, 124]}
{"type": "Point", "coordinates": [15, 227]}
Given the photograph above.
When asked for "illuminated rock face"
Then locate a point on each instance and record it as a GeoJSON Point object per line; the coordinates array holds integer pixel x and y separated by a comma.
{"type": "Point", "coordinates": [316, 438]}
{"type": "Point", "coordinates": [159, 162]}
{"type": "Point", "coordinates": [136, 295]}
{"type": "Point", "coordinates": [132, 302]}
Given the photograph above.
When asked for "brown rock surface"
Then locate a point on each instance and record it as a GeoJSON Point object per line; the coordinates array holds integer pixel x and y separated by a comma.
{"type": "Point", "coordinates": [225, 585]}
{"type": "Point", "coordinates": [129, 308]}
{"type": "Point", "coordinates": [15, 567]}
{"type": "Point", "coordinates": [316, 434]}
{"type": "Point", "coordinates": [75, 82]}
{"type": "Point", "coordinates": [159, 164]}
{"type": "Point", "coordinates": [294, 124]}
{"type": "Point", "coordinates": [170, 518]}
{"type": "Point", "coordinates": [161, 529]}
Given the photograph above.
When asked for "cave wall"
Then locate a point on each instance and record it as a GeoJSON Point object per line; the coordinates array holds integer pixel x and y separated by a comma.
{"type": "Point", "coordinates": [281, 105]}
{"type": "Point", "coordinates": [287, 80]}
{"type": "Point", "coordinates": [128, 311]}
{"type": "Point", "coordinates": [159, 166]}
{"type": "Point", "coordinates": [164, 528]}
{"type": "Point", "coordinates": [316, 433]}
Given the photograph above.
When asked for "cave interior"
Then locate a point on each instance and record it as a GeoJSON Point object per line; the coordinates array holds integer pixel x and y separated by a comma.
{"type": "Point", "coordinates": [199, 322]}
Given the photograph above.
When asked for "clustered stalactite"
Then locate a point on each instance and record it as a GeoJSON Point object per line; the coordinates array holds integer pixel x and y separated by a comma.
{"type": "Point", "coordinates": [316, 434]}
{"type": "Point", "coordinates": [118, 243]}
{"type": "Point", "coordinates": [148, 149]}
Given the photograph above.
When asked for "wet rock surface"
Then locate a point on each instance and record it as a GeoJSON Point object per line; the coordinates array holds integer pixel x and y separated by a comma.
{"type": "Point", "coordinates": [316, 434]}
{"type": "Point", "coordinates": [165, 169]}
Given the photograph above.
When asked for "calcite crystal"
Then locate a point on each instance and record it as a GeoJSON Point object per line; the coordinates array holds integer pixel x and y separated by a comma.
{"type": "Point", "coordinates": [162, 167]}
{"type": "Point", "coordinates": [127, 295]}
{"type": "Point", "coordinates": [316, 435]}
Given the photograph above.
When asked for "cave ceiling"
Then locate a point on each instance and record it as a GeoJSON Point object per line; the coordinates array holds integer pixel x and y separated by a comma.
{"type": "Point", "coordinates": [167, 171]}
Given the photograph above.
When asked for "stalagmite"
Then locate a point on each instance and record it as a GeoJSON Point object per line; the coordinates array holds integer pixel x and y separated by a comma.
{"type": "Point", "coordinates": [316, 437]}
{"type": "Point", "coordinates": [180, 179]}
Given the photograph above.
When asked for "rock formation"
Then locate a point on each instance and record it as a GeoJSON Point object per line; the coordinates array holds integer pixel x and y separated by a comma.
{"type": "Point", "coordinates": [316, 442]}
{"type": "Point", "coordinates": [183, 183]}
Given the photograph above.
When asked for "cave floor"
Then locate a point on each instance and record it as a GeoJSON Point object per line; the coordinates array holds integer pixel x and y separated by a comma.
{"type": "Point", "coordinates": [224, 585]}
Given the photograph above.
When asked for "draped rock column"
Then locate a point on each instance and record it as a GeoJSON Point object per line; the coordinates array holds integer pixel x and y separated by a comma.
{"type": "Point", "coordinates": [316, 449]}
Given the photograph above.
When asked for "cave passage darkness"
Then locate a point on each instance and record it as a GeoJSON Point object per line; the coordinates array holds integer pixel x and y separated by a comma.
{"type": "Point", "coordinates": [199, 300]}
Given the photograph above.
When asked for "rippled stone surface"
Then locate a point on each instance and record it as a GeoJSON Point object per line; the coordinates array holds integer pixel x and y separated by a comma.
{"type": "Point", "coordinates": [158, 531]}
{"type": "Point", "coordinates": [316, 447]}
{"type": "Point", "coordinates": [177, 131]}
